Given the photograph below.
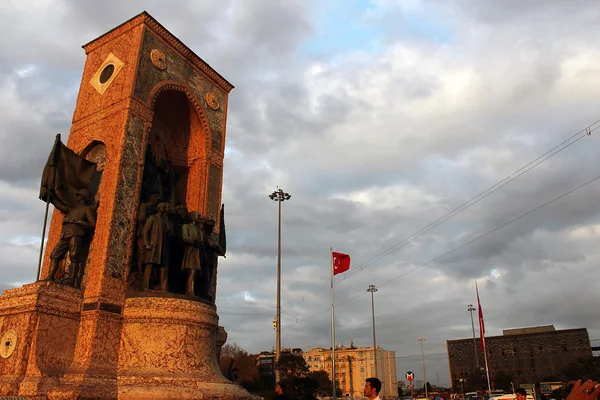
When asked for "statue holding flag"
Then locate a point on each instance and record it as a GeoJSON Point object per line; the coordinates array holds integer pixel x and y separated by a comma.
{"type": "Point", "coordinates": [66, 180]}
{"type": "Point", "coordinates": [215, 245]}
{"type": "Point", "coordinates": [79, 220]}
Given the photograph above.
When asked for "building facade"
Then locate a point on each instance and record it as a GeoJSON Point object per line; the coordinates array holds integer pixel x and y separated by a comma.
{"type": "Point", "coordinates": [526, 355]}
{"type": "Point", "coordinates": [354, 365]}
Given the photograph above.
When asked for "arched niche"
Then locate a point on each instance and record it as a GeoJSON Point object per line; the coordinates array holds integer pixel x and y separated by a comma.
{"type": "Point", "coordinates": [174, 168]}
{"type": "Point", "coordinates": [175, 145]}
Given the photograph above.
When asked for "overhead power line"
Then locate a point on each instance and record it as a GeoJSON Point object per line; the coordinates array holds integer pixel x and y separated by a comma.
{"type": "Point", "coordinates": [465, 244]}
{"type": "Point", "coordinates": [587, 131]}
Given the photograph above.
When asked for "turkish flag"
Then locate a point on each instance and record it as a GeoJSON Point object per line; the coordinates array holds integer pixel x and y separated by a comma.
{"type": "Point", "coordinates": [481, 322]}
{"type": "Point", "coordinates": [341, 262]}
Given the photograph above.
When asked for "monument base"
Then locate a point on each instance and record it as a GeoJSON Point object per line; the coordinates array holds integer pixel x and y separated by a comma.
{"type": "Point", "coordinates": [168, 348]}
{"type": "Point", "coordinates": [169, 351]}
{"type": "Point", "coordinates": [39, 324]}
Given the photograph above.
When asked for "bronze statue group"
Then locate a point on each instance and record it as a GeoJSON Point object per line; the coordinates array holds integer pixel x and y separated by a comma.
{"type": "Point", "coordinates": [168, 238]}
{"type": "Point", "coordinates": [169, 241]}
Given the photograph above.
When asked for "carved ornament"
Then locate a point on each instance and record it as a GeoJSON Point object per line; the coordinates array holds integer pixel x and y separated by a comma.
{"type": "Point", "coordinates": [212, 101]}
{"type": "Point", "coordinates": [158, 59]}
{"type": "Point", "coordinates": [8, 344]}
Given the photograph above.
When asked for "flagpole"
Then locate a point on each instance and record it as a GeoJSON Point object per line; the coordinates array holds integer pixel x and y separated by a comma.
{"type": "Point", "coordinates": [482, 337]}
{"type": "Point", "coordinates": [487, 371]}
{"type": "Point", "coordinates": [39, 270]}
{"type": "Point", "coordinates": [332, 325]}
{"type": "Point", "coordinates": [42, 243]}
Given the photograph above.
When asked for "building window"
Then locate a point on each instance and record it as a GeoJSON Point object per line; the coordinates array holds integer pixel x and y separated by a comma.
{"type": "Point", "coordinates": [361, 370]}
{"type": "Point", "coordinates": [565, 348]}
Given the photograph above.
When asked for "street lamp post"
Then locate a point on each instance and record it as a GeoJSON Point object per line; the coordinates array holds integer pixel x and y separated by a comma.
{"type": "Point", "coordinates": [424, 370]}
{"type": "Point", "coordinates": [372, 289]}
{"type": "Point", "coordinates": [279, 196]}
{"type": "Point", "coordinates": [470, 309]}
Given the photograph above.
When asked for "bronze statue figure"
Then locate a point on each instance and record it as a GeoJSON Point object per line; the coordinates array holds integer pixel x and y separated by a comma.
{"type": "Point", "coordinates": [193, 237]}
{"type": "Point", "coordinates": [156, 232]}
{"type": "Point", "coordinates": [212, 250]}
{"type": "Point", "coordinates": [145, 211]}
{"type": "Point", "coordinates": [79, 220]}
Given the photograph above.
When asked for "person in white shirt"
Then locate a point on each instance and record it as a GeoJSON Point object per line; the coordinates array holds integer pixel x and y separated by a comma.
{"type": "Point", "coordinates": [372, 388]}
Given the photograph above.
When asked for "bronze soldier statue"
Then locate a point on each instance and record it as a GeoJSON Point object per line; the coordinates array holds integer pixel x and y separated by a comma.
{"type": "Point", "coordinates": [145, 211]}
{"type": "Point", "coordinates": [156, 232]}
{"type": "Point", "coordinates": [212, 250]}
{"type": "Point", "coordinates": [79, 219]}
{"type": "Point", "coordinates": [192, 236]}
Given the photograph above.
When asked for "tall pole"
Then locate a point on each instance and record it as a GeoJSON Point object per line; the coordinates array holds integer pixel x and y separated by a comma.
{"type": "Point", "coordinates": [278, 338]}
{"type": "Point", "coordinates": [470, 309]}
{"type": "Point", "coordinates": [351, 378]}
{"type": "Point", "coordinates": [279, 196]}
{"type": "Point", "coordinates": [372, 289]}
{"type": "Point", "coordinates": [37, 278]}
{"type": "Point", "coordinates": [424, 370]}
{"type": "Point", "coordinates": [334, 394]}
{"type": "Point", "coordinates": [487, 371]}
{"type": "Point", "coordinates": [50, 190]}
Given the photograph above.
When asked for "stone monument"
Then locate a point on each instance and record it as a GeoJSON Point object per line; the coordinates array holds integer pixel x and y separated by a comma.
{"type": "Point", "coordinates": [151, 116]}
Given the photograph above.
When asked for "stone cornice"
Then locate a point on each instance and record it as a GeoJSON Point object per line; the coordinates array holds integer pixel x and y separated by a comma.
{"type": "Point", "coordinates": [172, 40]}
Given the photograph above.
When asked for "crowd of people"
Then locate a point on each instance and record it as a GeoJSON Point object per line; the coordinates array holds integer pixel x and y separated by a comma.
{"type": "Point", "coordinates": [588, 390]}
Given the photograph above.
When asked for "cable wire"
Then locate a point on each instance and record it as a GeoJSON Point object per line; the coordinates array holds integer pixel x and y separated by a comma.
{"type": "Point", "coordinates": [587, 131]}
{"type": "Point", "coordinates": [467, 243]}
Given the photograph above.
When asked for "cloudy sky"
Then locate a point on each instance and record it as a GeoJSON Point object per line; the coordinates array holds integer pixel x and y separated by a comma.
{"type": "Point", "coordinates": [379, 117]}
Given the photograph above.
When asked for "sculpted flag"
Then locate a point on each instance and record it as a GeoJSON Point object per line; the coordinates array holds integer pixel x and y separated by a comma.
{"type": "Point", "coordinates": [65, 173]}
{"type": "Point", "coordinates": [341, 262]}
{"type": "Point", "coordinates": [481, 323]}
{"type": "Point", "coordinates": [222, 235]}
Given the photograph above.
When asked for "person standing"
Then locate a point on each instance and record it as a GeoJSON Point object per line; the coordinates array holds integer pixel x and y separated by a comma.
{"type": "Point", "coordinates": [521, 394]}
{"type": "Point", "coordinates": [372, 388]}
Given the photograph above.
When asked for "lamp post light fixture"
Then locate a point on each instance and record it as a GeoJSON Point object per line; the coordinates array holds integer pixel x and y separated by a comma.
{"type": "Point", "coordinates": [279, 196]}
{"type": "Point", "coordinates": [424, 370]}
{"type": "Point", "coordinates": [372, 289]}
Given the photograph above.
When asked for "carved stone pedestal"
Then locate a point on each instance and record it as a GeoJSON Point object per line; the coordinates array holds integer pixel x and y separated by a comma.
{"type": "Point", "coordinates": [40, 321]}
{"type": "Point", "coordinates": [169, 351]}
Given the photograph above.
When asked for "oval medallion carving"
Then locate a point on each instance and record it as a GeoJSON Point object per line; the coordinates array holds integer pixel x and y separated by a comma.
{"type": "Point", "coordinates": [158, 59]}
{"type": "Point", "coordinates": [212, 101]}
{"type": "Point", "coordinates": [8, 344]}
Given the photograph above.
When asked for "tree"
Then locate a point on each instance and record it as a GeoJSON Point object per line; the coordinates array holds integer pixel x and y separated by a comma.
{"type": "Point", "coordinates": [237, 362]}
{"type": "Point", "coordinates": [320, 383]}
{"type": "Point", "coordinates": [300, 381]}
{"type": "Point", "coordinates": [292, 366]}
{"type": "Point", "coordinates": [429, 388]}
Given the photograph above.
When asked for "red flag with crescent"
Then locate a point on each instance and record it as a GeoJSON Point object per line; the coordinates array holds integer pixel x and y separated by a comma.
{"type": "Point", "coordinates": [341, 262]}
{"type": "Point", "coordinates": [481, 322]}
